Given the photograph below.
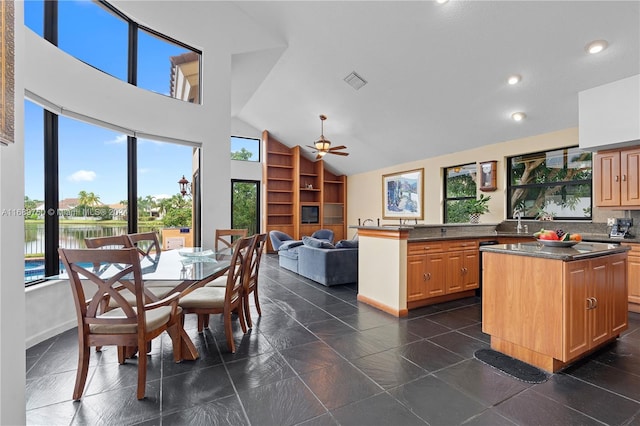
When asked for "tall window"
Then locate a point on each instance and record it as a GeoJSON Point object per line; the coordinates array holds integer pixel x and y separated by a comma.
{"type": "Point", "coordinates": [459, 189]}
{"type": "Point", "coordinates": [95, 34]}
{"type": "Point", "coordinates": [553, 183]}
{"type": "Point", "coordinates": [244, 205]}
{"type": "Point", "coordinates": [247, 149]}
{"type": "Point", "coordinates": [101, 36]}
{"type": "Point", "coordinates": [182, 66]}
{"type": "Point", "coordinates": [34, 192]}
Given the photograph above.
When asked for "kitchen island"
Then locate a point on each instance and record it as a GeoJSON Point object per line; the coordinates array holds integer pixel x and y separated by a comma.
{"type": "Point", "coordinates": [549, 306]}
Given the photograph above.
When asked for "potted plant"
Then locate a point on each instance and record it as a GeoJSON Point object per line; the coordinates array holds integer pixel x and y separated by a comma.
{"type": "Point", "coordinates": [477, 207]}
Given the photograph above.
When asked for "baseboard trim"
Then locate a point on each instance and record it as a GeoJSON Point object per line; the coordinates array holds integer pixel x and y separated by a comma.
{"type": "Point", "coordinates": [383, 307]}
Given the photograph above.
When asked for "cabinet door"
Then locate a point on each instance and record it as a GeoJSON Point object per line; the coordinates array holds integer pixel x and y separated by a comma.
{"type": "Point", "coordinates": [455, 271]}
{"type": "Point", "coordinates": [471, 277]}
{"type": "Point", "coordinates": [630, 177]}
{"type": "Point", "coordinates": [619, 313]}
{"type": "Point", "coordinates": [576, 309]}
{"type": "Point", "coordinates": [633, 269]}
{"type": "Point", "coordinates": [606, 178]}
{"type": "Point", "coordinates": [435, 274]}
{"type": "Point", "coordinates": [416, 277]}
{"type": "Point", "coordinates": [600, 293]}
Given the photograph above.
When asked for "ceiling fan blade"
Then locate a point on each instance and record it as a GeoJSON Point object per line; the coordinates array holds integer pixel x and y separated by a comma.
{"type": "Point", "coordinates": [338, 153]}
{"type": "Point", "coordinates": [311, 147]}
{"type": "Point", "coordinates": [335, 148]}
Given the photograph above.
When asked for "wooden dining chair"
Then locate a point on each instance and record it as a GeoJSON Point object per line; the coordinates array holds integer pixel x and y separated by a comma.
{"type": "Point", "coordinates": [147, 243]}
{"type": "Point", "coordinates": [205, 301]}
{"type": "Point", "coordinates": [251, 280]}
{"type": "Point", "coordinates": [129, 325]}
{"type": "Point", "coordinates": [226, 238]}
{"type": "Point", "coordinates": [112, 242]}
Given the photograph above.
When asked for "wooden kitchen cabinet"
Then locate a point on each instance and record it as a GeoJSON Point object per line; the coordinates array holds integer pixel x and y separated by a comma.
{"type": "Point", "coordinates": [616, 178]}
{"type": "Point", "coordinates": [549, 312]}
{"type": "Point", "coordinates": [633, 270]}
{"type": "Point", "coordinates": [440, 271]}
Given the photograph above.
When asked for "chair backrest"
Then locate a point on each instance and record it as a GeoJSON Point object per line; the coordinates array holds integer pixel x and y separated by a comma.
{"type": "Point", "coordinates": [323, 234]}
{"type": "Point", "coordinates": [227, 238]}
{"type": "Point", "coordinates": [113, 242]}
{"type": "Point", "coordinates": [252, 277]}
{"type": "Point", "coordinates": [277, 238]}
{"type": "Point", "coordinates": [119, 267]}
{"type": "Point", "coordinates": [238, 268]}
{"type": "Point", "coordinates": [147, 243]}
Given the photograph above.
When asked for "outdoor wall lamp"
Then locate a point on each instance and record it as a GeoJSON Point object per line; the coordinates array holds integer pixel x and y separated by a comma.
{"type": "Point", "coordinates": [185, 186]}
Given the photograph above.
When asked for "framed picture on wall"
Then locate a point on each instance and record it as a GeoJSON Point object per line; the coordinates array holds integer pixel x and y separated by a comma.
{"type": "Point", "coordinates": [6, 72]}
{"type": "Point", "coordinates": [488, 176]}
{"type": "Point", "coordinates": [402, 195]}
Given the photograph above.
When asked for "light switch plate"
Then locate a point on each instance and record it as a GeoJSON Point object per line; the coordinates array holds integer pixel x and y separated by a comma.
{"type": "Point", "coordinates": [611, 221]}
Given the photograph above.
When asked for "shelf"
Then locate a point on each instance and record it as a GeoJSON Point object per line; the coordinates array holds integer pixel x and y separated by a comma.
{"type": "Point", "coordinates": [280, 214]}
{"type": "Point", "coordinates": [281, 179]}
{"type": "Point", "coordinates": [337, 182]}
{"type": "Point", "coordinates": [280, 166]}
{"type": "Point", "coordinates": [279, 203]}
{"type": "Point", "coordinates": [308, 174]}
{"type": "Point", "coordinates": [280, 153]}
{"type": "Point", "coordinates": [309, 189]}
{"type": "Point", "coordinates": [279, 190]}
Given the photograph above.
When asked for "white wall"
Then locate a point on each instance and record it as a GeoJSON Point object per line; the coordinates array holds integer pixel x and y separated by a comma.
{"type": "Point", "coordinates": [364, 191]}
{"type": "Point", "coordinates": [12, 303]}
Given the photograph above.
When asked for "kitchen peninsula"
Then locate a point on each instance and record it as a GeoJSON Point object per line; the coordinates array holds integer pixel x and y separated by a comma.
{"type": "Point", "coordinates": [549, 306]}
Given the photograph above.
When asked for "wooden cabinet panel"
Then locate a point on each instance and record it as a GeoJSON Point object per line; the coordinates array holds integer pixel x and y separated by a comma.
{"type": "Point", "coordinates": [600, 288]}
{"type": "Point", "coordinates": [576, 309]}
{"type": "Point", "coordinates": [448, 267]}
{"type": "Point", "coordinates": [633, 271]}
{"type": "Point", "coordinates": [616, 178]}
{"type": "Point", "coordinates": [620, 275]}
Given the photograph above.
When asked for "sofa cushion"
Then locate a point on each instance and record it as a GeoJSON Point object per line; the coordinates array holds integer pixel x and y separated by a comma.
{"type": "Point", "coordinates": [289, 244]}
{"type": "Point", "coordinates": [347, 244]}
{"type": "Point", "coordinates": [317, 243]}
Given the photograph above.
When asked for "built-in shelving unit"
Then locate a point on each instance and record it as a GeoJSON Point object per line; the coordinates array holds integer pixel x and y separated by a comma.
{"type": "Point", "coordinates": [291, 181]}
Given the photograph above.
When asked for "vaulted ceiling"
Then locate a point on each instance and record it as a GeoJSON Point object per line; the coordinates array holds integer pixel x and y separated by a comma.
{"type": "Point", "coordinates": [437, 73]}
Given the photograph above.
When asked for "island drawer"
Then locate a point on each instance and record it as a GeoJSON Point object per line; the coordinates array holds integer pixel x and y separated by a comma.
{"type": "Point", "coordinates": [425, 247]}
{"type": "Point", "coordinates": [462, 245]}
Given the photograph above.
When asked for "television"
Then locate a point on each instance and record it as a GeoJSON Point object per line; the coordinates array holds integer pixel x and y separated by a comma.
{"type": "Point", "coordinates": [310, 214]}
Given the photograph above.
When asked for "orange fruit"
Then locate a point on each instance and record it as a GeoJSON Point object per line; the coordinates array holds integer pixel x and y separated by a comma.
{"type": "Point", "coordinates": [576, 237]}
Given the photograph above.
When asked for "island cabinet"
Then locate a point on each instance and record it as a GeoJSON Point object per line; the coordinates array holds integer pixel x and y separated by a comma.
{"type": "Point", "coordinates": [634, 277]}
{"type": "Point", "coordinates": [616, 177]}
{"type": "Point", "coordinates": [550, 312]}
{"type": "Point", "coordinates": [440, 271]}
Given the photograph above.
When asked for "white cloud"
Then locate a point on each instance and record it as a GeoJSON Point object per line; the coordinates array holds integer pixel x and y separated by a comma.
{"type": "Point", "coordinates": [82, 176]}
{"type": "Point", "coordinates": [161, 196]}
{"type": "Point", "coordinates": [144, 170]}
{"type": "Point", "coordinates": [120, 139]}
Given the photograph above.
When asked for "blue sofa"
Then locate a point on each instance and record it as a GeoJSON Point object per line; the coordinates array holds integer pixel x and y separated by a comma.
{"type": "Point", "coordinates": [318, 259]}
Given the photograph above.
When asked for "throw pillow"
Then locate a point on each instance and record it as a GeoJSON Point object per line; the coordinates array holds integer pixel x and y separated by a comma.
{"type": "Point", "coordinates": [347, 244]}
{"type": "Point", "coordinates": [317, 243]}
{"type": "Point", "coordinates": [290, 244]}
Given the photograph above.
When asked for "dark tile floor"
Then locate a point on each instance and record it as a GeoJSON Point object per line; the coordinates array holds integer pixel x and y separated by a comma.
{"type": "Point", "coordinates": [318, 357]}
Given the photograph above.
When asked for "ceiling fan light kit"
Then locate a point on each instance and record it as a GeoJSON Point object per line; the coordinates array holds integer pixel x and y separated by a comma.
{"type": "Point", "coordinates": [323, 146]}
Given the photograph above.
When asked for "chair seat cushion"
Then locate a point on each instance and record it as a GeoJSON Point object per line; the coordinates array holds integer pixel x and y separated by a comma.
{"type": "Point", "coordinates": [155, 318]}
{"type": "Point", "coordinates": [218, 282]}
{"type": "Point", "coordinates": [204, 298]}
{"type": "Point", "coordinates": [159, 292]}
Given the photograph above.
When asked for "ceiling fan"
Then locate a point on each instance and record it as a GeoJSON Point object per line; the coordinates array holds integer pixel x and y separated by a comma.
{"type": "Point", "coordinates": [323, 146]}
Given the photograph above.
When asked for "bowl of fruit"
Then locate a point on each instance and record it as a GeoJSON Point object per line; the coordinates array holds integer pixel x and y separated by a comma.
{"type": "Point", "coordinates": [557, 238]}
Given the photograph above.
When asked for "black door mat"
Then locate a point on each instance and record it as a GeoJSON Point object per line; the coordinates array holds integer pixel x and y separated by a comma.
{"type": "Point", "coordinates": [511, 366]}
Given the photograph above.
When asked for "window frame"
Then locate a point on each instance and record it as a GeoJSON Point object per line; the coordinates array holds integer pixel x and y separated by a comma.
{"type": "Point", "coordinates": [510, 186]}
{"type": "Point", "coordinates": [446, 199]}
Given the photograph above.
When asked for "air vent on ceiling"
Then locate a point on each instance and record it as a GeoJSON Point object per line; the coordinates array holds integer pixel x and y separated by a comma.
{"type": "Point", "coordinates": [355, 81]}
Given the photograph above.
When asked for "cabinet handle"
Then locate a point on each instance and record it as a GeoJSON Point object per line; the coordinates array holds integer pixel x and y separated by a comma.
{"type": "Point", "coordinates": [624, 178]}
{"type": "Point", "coordinates": [595, 302]}
{"type": "Point", "coordinates": [617, 178]}
{"type": "Point", "coordinates": [589, 303]}
{"type": "Point", "coordinates": [427, 276]}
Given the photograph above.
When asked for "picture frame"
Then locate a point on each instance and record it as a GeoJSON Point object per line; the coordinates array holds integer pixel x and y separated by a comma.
{"type": "Point", "coordinates": [7, 95]}
{"type": "Point", "coordinates": [488, 178]}
{"type": "Point", "coordinates": [402, 195]}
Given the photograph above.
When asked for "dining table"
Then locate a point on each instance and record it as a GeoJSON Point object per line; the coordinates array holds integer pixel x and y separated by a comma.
{"type": "Point", "coordinates": [182, 270]}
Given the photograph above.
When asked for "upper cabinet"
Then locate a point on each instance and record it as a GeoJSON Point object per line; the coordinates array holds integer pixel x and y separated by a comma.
{"type": "Point", "coordinates": [617, 178]}
{"type": "Point", "coordinates": [609, 115]}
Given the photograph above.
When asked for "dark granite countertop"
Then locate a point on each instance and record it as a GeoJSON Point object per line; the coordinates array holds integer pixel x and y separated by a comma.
{"type": "Point", "coordinates": [535, 249]}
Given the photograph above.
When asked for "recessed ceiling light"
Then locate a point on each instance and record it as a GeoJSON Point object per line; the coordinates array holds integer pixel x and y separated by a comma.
{"type": "Point", "coordinates": [518, 116]}
{"type": "Point", "coordinates": [596, 46]}
{"type": "Point", "coordinates": [441, 1]}
{"type": "Point", "coordinates": [514, 79]}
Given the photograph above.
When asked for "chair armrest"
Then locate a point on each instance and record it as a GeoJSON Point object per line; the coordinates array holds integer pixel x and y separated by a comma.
{"type": "Point", "coordinates": [172, 298]}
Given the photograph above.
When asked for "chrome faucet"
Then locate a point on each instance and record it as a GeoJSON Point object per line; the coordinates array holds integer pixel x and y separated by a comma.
{"type": "Point", "coordinates": [367, 220]}
{"type": "Point", "coordinates": [517, 213]}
